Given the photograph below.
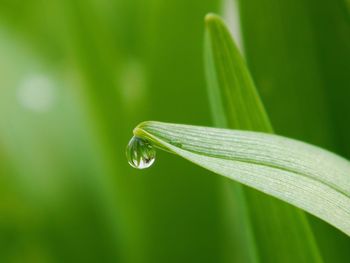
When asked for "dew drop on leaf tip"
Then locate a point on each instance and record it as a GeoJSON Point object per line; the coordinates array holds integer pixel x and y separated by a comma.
{"type": "Point", "coordinates": [140, 153]}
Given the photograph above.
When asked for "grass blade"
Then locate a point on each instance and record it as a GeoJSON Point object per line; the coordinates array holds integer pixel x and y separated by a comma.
{"type": "Point", "coordinates": [303, 175]}
{"type": "Point", "coordinates": [236, 104]}
{"type": "Point", "coordinates": [230, 80]}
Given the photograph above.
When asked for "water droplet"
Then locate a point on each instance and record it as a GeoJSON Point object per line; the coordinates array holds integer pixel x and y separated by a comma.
{"type": "Point", "coordinates": [140, 153]}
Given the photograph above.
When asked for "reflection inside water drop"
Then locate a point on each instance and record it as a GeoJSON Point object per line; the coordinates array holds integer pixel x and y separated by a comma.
{"type": "Point", "coordinates": [140, 153]}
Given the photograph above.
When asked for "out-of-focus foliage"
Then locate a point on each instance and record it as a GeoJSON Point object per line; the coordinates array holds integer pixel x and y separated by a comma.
{"type": "Point", "coordinates": [76, 76]}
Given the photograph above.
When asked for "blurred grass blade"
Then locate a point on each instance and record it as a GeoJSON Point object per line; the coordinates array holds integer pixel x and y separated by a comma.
{"type": "Point", "coordinates": [303, 175]}
{"type": "Point", "coordinates": [236, 104]}
{"type": "Point", "coordinates": [231, 87]}
{"type": "Point", "coordinates": [220, 93]}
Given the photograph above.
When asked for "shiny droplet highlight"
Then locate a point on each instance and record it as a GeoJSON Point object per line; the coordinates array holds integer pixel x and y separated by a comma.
{"type": "Point", "coordinates": [140, 153]}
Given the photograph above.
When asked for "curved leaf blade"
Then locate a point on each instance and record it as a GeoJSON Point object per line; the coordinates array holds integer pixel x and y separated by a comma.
{"type": "Point", "coordinates": [303, 175]}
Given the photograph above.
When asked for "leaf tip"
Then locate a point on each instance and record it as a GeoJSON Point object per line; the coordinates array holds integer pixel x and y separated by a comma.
{"type": "Point", "coordinates": [211, 18]}
{"type": "Point", "coordinates": [141, 128]}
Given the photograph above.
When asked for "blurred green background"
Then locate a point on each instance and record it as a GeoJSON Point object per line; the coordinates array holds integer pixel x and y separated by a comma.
{"type": "Point", "coordinates": [77, 76]}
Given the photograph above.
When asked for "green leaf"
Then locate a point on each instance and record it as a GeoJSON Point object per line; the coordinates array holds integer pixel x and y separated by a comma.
{"type": "Point", "coordinates": [236, 104]}
{"type": "Point", "coordinates": [298, 52]}
{"type": "Point", "coordinates": [303, 175]}
{"type": "Point", "coordinates": [231, 88]}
